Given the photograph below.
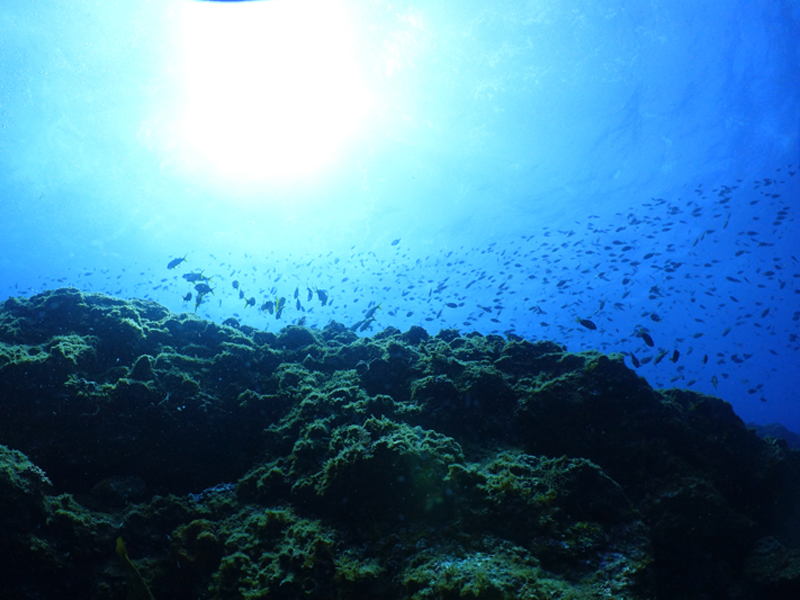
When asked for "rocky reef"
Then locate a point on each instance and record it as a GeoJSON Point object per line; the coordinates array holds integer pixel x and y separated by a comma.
{"type": "Point", "coordinates": [237, 463]}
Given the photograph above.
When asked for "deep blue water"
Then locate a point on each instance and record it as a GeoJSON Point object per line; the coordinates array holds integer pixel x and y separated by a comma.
{"type": "Point", "coordinates": [635, 164]}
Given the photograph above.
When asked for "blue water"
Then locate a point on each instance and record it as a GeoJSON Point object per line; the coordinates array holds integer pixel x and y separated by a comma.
{"type": "Point", "coordinates": [630, 163]}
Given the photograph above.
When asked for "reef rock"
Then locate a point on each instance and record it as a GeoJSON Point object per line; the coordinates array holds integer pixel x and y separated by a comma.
{"type": "Point", "coordinates": [237, 463]}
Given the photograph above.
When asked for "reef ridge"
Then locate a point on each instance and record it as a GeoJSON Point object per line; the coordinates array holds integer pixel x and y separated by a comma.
{"type": "Point", "coordinates": [239, 463]}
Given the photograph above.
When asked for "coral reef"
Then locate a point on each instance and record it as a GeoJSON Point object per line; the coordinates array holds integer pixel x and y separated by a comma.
{"type": "Point", "coordinates": [237, 463]}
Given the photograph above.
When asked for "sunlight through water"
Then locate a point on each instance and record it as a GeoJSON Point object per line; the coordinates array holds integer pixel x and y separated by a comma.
{"type": "Point", "coordinates": [272, 88]}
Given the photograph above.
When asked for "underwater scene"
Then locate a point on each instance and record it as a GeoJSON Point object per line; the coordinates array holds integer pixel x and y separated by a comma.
{"type": "Point", "coordinates": [339, 299]}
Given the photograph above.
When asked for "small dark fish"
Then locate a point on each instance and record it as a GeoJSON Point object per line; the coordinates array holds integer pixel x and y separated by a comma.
{"type": "Point", "coordinates": [705, 358]}
{"type": "Point", "coordinates": [655, 317]}
{"type": "Point", "coordinates": [298, 306]}
{"type": "Point", "coordinates": [647, 339]}
{"type": "Point", "coordinates": [203, 288]}
{"type": "Point", "coordinates": [634, 360]}
{"type": "Point", "coordinates": [187, 297]}
{"type": "Point", "coordinates": [395, 242]}
{"type": "Point", "coordinates": [241, 294]}
{"type": "Point", "coordinates": [268, 306]}
{"type": "Point", "coordinates": [176, 261]}
{"type": "Point", "coordinates": [659, 357]}
{"type": "Point", "coordinates": [250, 302]}
{"type": "Point", "coordinates": [235, 284]}
{"type": "Point", "coordinates": [323, 296]}
{"type": "Point", "coordinates": [587, 323]}
{"type": "Point", "coordinates": [675, 356]}
{"type": "Point", "coordinates": [451, 305]}
{"type": "Point", "coordinates": [296, 293]}
{"type": "Point", "coordinates": [310, 295]}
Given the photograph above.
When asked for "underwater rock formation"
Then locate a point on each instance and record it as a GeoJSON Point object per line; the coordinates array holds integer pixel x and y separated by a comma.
{"type": "Point", "coordinates": [237, 463]}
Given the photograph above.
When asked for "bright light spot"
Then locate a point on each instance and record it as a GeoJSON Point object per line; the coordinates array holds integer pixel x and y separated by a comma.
{"type": "Point", "coordinates": [273, 89]}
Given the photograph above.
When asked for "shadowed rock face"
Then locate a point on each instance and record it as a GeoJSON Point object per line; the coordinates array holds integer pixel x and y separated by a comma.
{"type": "Point", "coordinates": [315, 463]}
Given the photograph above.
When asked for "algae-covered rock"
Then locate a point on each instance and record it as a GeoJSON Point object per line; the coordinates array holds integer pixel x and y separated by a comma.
{"type": "Point", "coordinates": [23, 489]}
{"type": "Point", "coordinates": [238, 463]}
{"type": "Point", "coordinates": [383, 471]}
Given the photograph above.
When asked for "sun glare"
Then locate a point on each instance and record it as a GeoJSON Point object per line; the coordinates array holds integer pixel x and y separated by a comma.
{"type": "Point", "coordinates": [272, 88]}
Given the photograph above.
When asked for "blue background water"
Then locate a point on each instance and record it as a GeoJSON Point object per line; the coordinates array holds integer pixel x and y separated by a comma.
{"type": "Point", "coordinates": [540, 162]}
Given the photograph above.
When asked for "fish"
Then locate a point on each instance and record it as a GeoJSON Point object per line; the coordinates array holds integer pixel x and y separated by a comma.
{"type": "Point", "coordinates": [195, 276]}
{"type": "Point", "coordinates": [250, 302]}
{"type": "Point", "coordinates": [587, 323]}
{"type": "Point", "coordinates": [176, 261]}
{"type": "Point", "coordinates": [675, 355]}
{"type": "Point", "coordinates": [323, 296]}
{"type": "Point", "coordinates": [634, 360]}
{"type": "Point", "coordinates": [646, 337]}
{"type": "Point", "coordinates": [367, 324]}
{"type": "Point", "coordinates": [235, 284]}
{"type": "Point", "coordinates": [198, 301]}
{"type": "Point", "coordinates": [268, 306]}
{"type": "Point", "coordinates": [371, 311]}
{"type": "Point", "coordinates": [203, 288]}
{"type": "Point", "coordinates": [280, 304]}
{"type": "Point", "coordinates": [187, 297]}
